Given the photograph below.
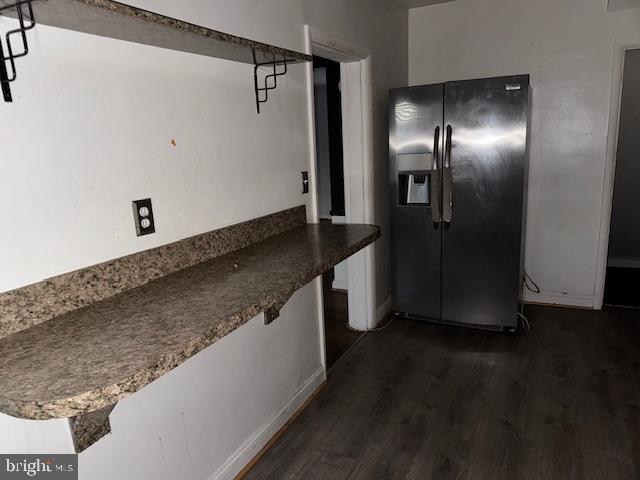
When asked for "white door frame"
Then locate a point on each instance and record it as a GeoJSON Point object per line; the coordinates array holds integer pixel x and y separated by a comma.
{"type": "Point", "coordinates": [620, 48]}
{"type": "Point", "coordinates": [357, 124]}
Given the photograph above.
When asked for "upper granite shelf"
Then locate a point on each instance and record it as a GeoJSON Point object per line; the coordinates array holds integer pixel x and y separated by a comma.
{"type": "Point", "coordinates": [111, 19]}
{"type": "Point", "coordinates": [90, 358]}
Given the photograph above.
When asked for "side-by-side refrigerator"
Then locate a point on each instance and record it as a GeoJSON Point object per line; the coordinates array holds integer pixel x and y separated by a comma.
{"type": "Point", "coordinates": [459, 161]}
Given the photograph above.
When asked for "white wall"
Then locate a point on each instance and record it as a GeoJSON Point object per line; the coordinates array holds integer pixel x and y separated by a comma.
{"type": "Point", "coordinates": [567, 46]}
{"type": "Point", "coordinates": [91, 129]}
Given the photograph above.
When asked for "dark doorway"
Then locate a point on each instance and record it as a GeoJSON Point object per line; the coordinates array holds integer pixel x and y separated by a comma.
{"type": "Point", "coordinates": [623, 264]}
{"type": "Point", "coordinates": [328, 106]}
{"type": "Point", "coordinates": [331, 202]}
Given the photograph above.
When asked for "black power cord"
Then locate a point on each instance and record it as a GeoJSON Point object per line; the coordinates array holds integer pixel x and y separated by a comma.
{"type": "Point", "coordinates": [530, 284]}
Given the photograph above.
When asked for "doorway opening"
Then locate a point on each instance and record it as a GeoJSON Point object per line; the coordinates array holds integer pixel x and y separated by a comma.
{"type": "Point", "coordinates": [356, 102]}
{"type": "Point", "coordinates": [623, 262]}
{"type": "Point", "coordinates": [329, 174]}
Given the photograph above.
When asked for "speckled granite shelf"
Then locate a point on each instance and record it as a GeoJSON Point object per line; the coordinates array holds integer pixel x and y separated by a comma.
{"type": "Point", "coordinates": [90, 358]}
{"type": "Point", "coordinates": [116, 20]}
{"type": "Point", "coordinates": [27, 306]}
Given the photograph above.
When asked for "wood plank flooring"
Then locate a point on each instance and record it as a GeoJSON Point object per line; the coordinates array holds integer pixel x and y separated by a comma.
{"type": "Point", "coordinates": [422, 401]}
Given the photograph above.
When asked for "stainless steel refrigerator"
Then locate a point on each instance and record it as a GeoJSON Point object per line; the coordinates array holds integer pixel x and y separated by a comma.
{"type": "Point", "coordinates": [459, 161]}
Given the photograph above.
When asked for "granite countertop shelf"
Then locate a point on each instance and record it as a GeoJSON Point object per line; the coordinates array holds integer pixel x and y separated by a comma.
{"type": "Point", "coordinates": [111, 19]}
{"type": "Point", "coordinates": [87, 359]}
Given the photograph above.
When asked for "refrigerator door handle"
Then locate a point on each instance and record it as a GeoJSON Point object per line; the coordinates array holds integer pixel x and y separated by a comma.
{"type": "Point", "coordinates": [435, 180]}
{"type": "Point", "coordinates": [447, 181]}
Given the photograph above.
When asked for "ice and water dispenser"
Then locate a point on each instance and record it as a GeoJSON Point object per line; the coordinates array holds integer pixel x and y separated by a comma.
{"type": "Point", "coordinates": [414, 178]}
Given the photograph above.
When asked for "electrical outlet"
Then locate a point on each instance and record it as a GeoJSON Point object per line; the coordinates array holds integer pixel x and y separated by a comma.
{"type": "Point", "coordinates": [305, 182]}
{"type": "Point", "coordinates": [143, 216]}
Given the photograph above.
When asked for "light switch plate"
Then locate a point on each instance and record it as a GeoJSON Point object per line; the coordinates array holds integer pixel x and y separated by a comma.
{"type": "Point", "coordinates": [143, 217]}
{"type": "Point", "coordinates": [305, 182]}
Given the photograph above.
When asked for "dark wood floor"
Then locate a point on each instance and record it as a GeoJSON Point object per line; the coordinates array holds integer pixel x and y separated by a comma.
{"type": "Point", "coordinates": [338, 337]}
{"type": "Point", "coordinates": [421, 401]}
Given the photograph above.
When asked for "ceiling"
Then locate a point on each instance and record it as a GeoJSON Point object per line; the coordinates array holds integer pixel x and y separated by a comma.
{"type": "Point", "coordinates": [622, 4]}
{"type": "Point", "coordinates": [612, 5]}
{"type": "Point", "coordinates": [420, 3]}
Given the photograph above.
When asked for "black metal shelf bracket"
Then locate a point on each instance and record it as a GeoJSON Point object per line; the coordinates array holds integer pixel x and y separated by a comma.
{"type": "Point", "coordinates": [275, 68]}
{"type": "Point", "coordinates": [26, 21]}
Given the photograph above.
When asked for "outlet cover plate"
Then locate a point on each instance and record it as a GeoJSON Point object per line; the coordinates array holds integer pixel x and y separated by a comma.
{"type": "Point", "coordinates": [143, 217]}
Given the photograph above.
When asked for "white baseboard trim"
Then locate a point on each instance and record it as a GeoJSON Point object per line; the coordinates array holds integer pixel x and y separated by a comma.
{"type": "Point", "coordinates": [265, 432]}
{"type": "Point", "coordinates": [558, 298]}
{"type": "Point", "coordinates": [339, 284]}
{"type": "Point", "coordinates": [383, 310]}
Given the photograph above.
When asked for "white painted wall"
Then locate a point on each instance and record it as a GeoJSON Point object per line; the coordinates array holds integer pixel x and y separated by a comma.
{"type": "Point", "coordinates": [91, 129]}
{"type": "Point", "coordinates": [567, 46]}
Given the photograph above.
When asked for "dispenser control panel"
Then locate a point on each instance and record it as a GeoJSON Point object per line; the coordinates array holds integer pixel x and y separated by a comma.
{"type": "Point", "coordinates": [414, 179]}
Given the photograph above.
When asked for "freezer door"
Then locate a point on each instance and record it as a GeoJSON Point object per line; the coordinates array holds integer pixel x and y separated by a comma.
{"type": "Point", "coordinates": [415, 133]}
{"type": "Point", "coordinates": [483, 187]}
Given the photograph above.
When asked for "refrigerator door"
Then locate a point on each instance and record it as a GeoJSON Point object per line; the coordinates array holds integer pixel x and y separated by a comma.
{"type": "Point", "coordinates": [415, 133]}
{"type": "Point", "coordinates": [484, 164]}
